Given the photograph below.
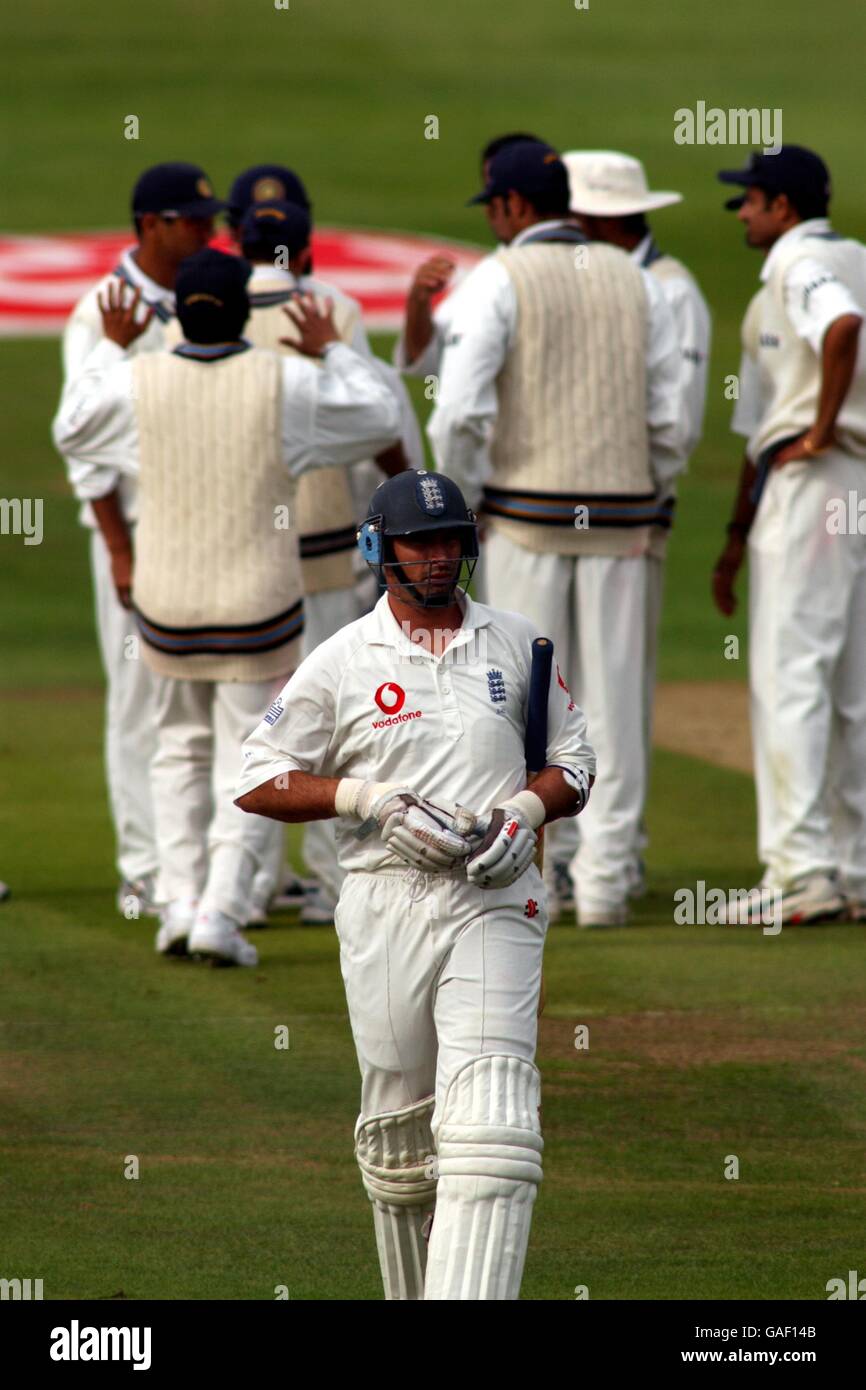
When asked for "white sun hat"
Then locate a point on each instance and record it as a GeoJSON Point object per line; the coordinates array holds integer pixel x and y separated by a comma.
{"type": "Point", "coordinates": [605, 183]}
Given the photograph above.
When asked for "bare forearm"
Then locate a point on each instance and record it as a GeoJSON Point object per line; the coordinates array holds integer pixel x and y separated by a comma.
{"type": "Point", "coordinates": [559, 797]}
{"type": "Point", "coordinates": [838, 361]}
{"type": "Point", "coordinates": [744, 508]}
{"type": "Point", "coordinates": [112, 523]}
{"type": "Point", "coordinates": [292, 797]}
{"type": "Point", "coordinates": [418, 329]}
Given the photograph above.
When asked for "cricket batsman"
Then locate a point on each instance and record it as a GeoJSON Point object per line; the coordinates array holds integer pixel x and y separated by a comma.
{"type": "Point", "coordinates": [408, 726]}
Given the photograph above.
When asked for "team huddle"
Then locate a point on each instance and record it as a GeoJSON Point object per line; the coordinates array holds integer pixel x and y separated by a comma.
{"type": "Point", "coordinates": [284, 613]}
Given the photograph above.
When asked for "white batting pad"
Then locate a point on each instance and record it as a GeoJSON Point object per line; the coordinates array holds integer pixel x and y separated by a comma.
{"type": "Point", "coordinates": [489, 1147]}
{"type": "Point", "coordinates": [395, 1155]}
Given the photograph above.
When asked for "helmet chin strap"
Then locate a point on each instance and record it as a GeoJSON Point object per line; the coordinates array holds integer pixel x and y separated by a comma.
{"type": "Point", "coordinates": [419, 599]}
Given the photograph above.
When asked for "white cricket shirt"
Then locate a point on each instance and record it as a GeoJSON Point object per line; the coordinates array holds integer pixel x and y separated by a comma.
{"type": "Point", "coordinates": [371, 703]}
{"type": "Point", "coordinates": [814, 298]}
{"type": "Point", "coordinates": [692, 319]}
{"type": "Point", "coordinates": [83, 331]}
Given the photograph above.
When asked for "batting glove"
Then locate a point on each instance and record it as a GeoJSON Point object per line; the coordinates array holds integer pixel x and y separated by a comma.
{"type": "Point", "coordinates": [427, 835]}
{"type": "Point", "coordinates": [431, 836]}
{"type": "Point", "coordinates": [508, 842]}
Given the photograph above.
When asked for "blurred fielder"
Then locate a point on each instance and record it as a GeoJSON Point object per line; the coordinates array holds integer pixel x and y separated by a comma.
{"type": "Point", "coordinates": [409, 727]}
{"type": "Point", "coordinates": [610, 196]}
{"type": "Point", "coordinates": [799, 508]}
{"type": "Point", "coordinates": [271, 219]}
{"type": "Point", "coordinates": [173, 209]}
{"type": "Point", "coordinates": [558, 408]}
{"type": "Point", "coordinates": [216, 431]}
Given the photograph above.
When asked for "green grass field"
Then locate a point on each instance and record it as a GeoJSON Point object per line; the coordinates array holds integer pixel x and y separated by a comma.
{"type": "Point", "coordinates": [704, 1042]}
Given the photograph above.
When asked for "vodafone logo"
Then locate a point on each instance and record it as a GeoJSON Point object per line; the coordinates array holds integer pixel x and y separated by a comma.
{"type": "Point", "coordinates": [390, 698]}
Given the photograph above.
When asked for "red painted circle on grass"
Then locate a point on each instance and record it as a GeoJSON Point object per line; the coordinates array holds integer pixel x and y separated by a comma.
{"type": "Point", "coordinates": [42, 277]}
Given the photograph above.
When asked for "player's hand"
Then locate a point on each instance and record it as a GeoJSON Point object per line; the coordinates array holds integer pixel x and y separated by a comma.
{"type": "Point", "coordinates": [316, 327]}
{"type": "Point", "coordinates": [506, 850]}
{"type": "Point", "coordinates": [426, 834]}
{"type": "Point", "coordinates": [431, 836]}
{"type": "Point", "coordinates": [121, 573]}
{"type": "Point", "coordinates": [724, 574]}
{"type": "Point", "coordinates": [431, 278]}
{"type": "Point", "coordinates": [119, 323]}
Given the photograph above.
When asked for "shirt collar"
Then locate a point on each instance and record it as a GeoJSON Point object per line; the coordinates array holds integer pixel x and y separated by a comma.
{"type": "Point", "coordinates": [384, 629]}
{"type": "Point", "coordinates": [536, 227]}
{"type": "Point", "coordinates": [794, 234]}
{"type": "Point", "coordinates": [150, 290]}
{"type": "Point", "coordinates": [274, 275]}
{"type": "Point", "coordinates": [638, 252]}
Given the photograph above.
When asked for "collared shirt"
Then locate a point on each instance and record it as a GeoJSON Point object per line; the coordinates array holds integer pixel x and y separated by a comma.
{"type": "Point", "coordinates": [692, 320]}
{"type": "Point", "coordinates": [84, 327]}
{"type": "Point", "coordinates": [373, 703]}
{"type": "Point", "coordinates": [270, 276]}
{"type": "Point", "coordinates": [331, 415]}
{"type": "Point", "coordinates": [481, 330]}
{"type": "Point", "coordinates": [83, 331]}
{"type": "Point", "coordinates": [814, 298]}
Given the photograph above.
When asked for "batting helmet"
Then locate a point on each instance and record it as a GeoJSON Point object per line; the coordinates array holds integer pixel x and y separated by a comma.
{"type": "Point", "coordinates": [415, 503]}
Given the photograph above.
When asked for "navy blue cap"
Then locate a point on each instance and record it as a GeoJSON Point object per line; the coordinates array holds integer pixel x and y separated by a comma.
{"type": "Point", "coordinates": [276, 224]}
{"type": "Point", "coordinates": [179, 190]}
{"type": "Point", "coordinates": [794, 170]}
{"type": "Point", "coordinates": [529, 167]}
{"type": "Point", "coordinates": [265, 183]}
{"type": "Point", "coordinates": [211, 277]}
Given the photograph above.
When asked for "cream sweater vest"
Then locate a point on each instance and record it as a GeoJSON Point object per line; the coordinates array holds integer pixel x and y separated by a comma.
{"type": "Point", "coordinates": [324, 515]}
{"type": "Point", "coordinates": [217, 585]}
{"type": "Point", "coordinates": [570, 453]}
{"type": "Point", "coordinates": [790, 371]}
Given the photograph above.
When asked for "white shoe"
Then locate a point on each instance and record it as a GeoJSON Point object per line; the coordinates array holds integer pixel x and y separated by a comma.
{"type": "Point", "coordinates": [216, 937]}
{"type": "Point", "coordinates": [318, 909]}
{"type": "Point", "coordinates": [177, 920]}
{"type": "Point", "coordinates": [817, 898]}
{"type": "Point", "coordinates": [602, 914]}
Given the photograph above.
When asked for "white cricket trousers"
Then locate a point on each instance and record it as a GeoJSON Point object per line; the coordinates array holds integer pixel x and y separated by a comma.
{"type": "Point", "coordinates": [437, 972]}
{"type": "Point", "coordinates": [130, 725]}
{"type": "Point", "coordinates": [208, 848]}
{"type": "Point", "coordinates": [594, 608]}
{"type": "Point", "coordinates": [807, 672]}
